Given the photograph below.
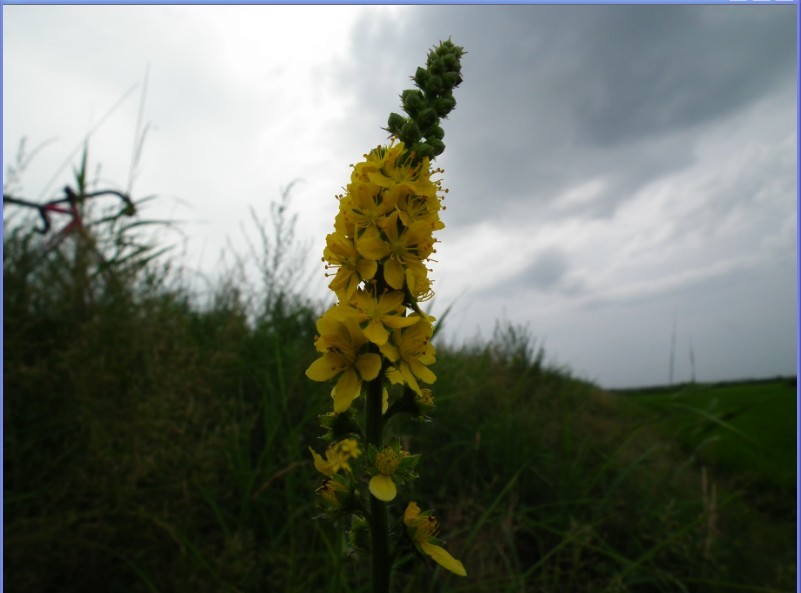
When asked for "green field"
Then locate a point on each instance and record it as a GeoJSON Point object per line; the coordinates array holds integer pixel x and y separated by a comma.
{"type": "Point", "coordinates": [747, 428]}
{"type": "Point", "coordinates": [156, 442]}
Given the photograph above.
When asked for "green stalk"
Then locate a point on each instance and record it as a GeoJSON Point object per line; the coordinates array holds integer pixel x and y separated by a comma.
{"type": "Point", "coordinates": [379, 528]}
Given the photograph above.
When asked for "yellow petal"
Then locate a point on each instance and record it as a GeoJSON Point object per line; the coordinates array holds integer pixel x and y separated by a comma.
{"type": "Point", "coordinates": [368, 365]}
{"type": "Point", "coordinates": [371, 245]}
{"type": "Point", "coordinates": [408, 377]}
{"type": "Point", "coordinates": [390, 351]}
{"type": "Point", "coordinates": [347, 389]}
{"type": "Point", "coordinates": [397, 322]}
{"type": "Point", "coordinates": [393, 273]}
{"type": "Point", "coordinates": [323, 368]}
{"type": "Point", "coordinates": [366, 268]}
{"type": "Point", "coordinates": [383, 488]}
{"type": "Point", "coordinates": [395, 377]}
{"type": "Point", "coordinates": [411, 513]}
{"type": "Point", "coordinates": [320, 464]}
{"type": "Point", "coordinates": [376, 332]}
{"type": "Point", "coordinates": [423, 372]}
{"type": "Point", "coordinates": [445, 560]}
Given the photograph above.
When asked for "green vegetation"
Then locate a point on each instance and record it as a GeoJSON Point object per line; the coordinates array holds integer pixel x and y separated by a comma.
{"type": "Point", "coordinates": [155, 443]}
{"type": "Point", "coordinates": [747, 428]}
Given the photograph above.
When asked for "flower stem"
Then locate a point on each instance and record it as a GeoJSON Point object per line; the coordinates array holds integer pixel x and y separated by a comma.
{"type": "Point", "coordinates": [379, 530]}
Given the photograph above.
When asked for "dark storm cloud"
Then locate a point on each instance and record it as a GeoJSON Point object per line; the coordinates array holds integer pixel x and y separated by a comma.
{"type": "Point", "coordinates": [554, 95]}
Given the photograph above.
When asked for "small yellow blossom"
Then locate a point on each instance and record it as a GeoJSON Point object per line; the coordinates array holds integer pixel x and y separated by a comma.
{"type": "Point", "coordinates": [396, 171]}
{"type": "Point", "coordinates": [340, 341]}
{"type": "Point", "coordinates": [410, 350]}
{"type": "Point", "coordinates": [403, 249]}
{"type": "Point", "coordinates": [367, 204]}
{"type": "Point", "coordinates": [381, 485]}
{"type": "Point", "coordinates": [386, 312]}
{"type": "Point", "coordinates": [342, 256]}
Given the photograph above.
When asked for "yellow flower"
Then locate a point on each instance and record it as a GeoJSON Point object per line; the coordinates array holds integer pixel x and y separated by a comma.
{"type": "Point", "coordinates": [366, 204]}
{"type": "Point", "coordinates": [373, 161]}
{"type": "Point", "coordinates": [411, 352]}
{"type": "Point", "coordinates": [422, 529]}
{"type": "Point", "coordinates": [405, 250]}
{"type": "Point", "coordinates": [336, 457]}
{"type": "Point", "coordinates": [381, 485]}
{"type": "Point", "coordinates": [390, 169]}
{"type": "Point", "coordinates": [341, 255]}
{"type": "Point", "coordinates": [386, 312]}
{"type": "Point", "coordinates": [340, 341]}
{"type": "Point", "coordinates": [413, 208]}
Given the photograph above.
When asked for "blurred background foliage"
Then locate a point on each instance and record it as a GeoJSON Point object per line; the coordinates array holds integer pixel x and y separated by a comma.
{"type": "Point", "coordinates": [158, 441]}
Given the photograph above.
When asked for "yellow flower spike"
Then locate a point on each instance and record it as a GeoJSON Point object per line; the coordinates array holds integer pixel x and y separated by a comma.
{"type": "Point", "coordinates": [422, 529]}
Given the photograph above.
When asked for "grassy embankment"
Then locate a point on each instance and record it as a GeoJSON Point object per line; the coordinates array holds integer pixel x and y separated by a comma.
{"type": "Point", "coordinates": [156, 444]}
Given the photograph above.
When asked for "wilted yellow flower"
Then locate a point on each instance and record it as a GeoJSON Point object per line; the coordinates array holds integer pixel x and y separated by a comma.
{"type": "Point", "coordinates": [422, 529]}
{"type": "Point", "coordinates": [337, 457]}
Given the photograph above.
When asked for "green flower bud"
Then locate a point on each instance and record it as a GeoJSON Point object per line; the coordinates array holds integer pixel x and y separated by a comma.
{"type": "Point", "coordinates": [450, 61]}
{"type": "Point", "coordinates": [395, 123]}
{"type": "Point", "coordinates": [421, 76]}
{"type": "Point", "coordinates": [426, 118]}
{"type": "Point", "coordinates": [434, 131]}
{"type": "Point", "coordinates": [444, 105]}
{"type": "Point", "coordinates": [413, 101]}
{"type": "Point", "coordinates": [434, 86]}
{"type": "Point", "coordinates": [410, 133]}
{"type": "Point", "coordinates": [422, 150]}
{"type": "Point", "coordinates": [451, 79]}
{"type": "Point", "coordinates": [359, 534]}
{"type": "Point", "coordinates": [437, 146]}
{"type": "Point", "coordinates": [436, 67]}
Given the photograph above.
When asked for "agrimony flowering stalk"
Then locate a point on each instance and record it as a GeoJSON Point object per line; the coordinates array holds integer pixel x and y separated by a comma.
{"type": "Point", "coordinates": [375, 342]}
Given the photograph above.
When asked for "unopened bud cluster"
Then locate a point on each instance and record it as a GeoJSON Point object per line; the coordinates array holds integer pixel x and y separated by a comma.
{"type": "Point", "coordinates": [432, 100]}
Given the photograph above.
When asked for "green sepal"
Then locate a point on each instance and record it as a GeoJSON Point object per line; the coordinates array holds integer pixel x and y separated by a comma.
{"type": "Point", "coordinates": [339, 426]}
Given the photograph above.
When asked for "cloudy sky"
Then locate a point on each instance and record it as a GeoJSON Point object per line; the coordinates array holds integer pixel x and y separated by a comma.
{"type": "Point", "coordinates": [616, 172]}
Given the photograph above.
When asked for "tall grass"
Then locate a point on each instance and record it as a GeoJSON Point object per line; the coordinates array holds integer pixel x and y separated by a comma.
{"type": "Point", "coordinates": [155, 444]}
